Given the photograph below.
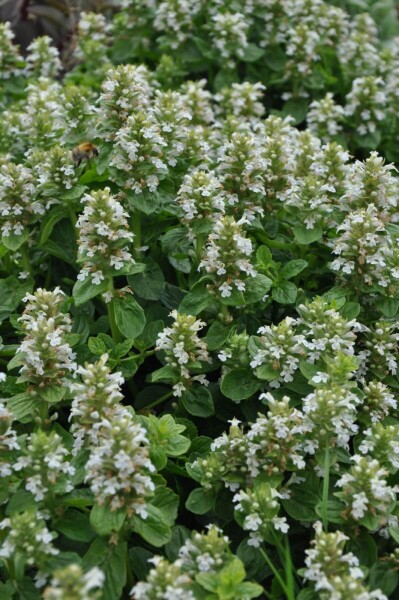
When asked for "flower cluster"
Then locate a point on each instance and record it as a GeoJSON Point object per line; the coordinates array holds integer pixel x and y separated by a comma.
{"type": "Point", "coordinates": [10, 60]}
{"type": "Point", "coordinates": [19, 207]}
{"type": "Point", "coordinates": [45, 355]}
{"type": "Point", "coordinates": [227, 257]}
{"type": "Point", "coordinates": [183, 349]}
{"type": "Point", "coordinates": [103, 237]}
{"type": "Point", "coordinates": [28, 536]}
{"type": "Point", "coordinates": [71, 583]}
{"type": "Point", "coordinates": [365, 491]}
{"type": "Point", "coordinates": [258, 510]}
{"type": "Point", "coordinates": [8, 441]}
{"type": "Point", "coordinates": [119, 470]}
{"type": "Point", "coordinates": [204, 560]}
{"type": "Point", "coordinates": [276, 353]}
{"type": "Point", "coordinates": [44, 466]}
{"type": "Point", "coordinates": [92, 40]}
{"type": "Point", "coordinates": [124, 91]}
{"type": "Point", "coordinates": [96, 397]}
{"type": "Point", "coordinates": [43, 59]}
{"type": "Point", "coordinates": [333, 572]}
{"type": "Point", "coordinates": [272, 444]}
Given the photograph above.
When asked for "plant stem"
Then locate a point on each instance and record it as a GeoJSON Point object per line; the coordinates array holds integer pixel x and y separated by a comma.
{"type": "Point", "coordinates": [72, 216]}
{"type": "Point", "coordinates": [326, 485]}
{"type": "Point", "coordinates": [137, 356]}
{"type": "Point", "coordinates": [116, 336]}
{"type": "Point", "coordinates": [159, 401]}
{"type": "Point", "coordinates": [224, 311]}
{"type": "Point", "coordinates": [25, 259]}
{"type": "Point", "coordinates": [135, 223]}
{"type": "Point", "coordinates": [286, 561]}
{"type": "Point", "coordinates": [275, 244]}
{"type": "Point", "coordinates": [289, 569]}
{"type": "Point", "coordinates": [276, 574]}
{"type": "Point", "coordinates": [129, 575]}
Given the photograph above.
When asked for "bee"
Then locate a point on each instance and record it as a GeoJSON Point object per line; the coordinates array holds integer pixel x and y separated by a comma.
{"type": "Point", "coordinates": [85, 151]}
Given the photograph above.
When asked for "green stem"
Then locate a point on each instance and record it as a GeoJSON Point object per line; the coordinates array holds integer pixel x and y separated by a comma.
{"type": "Point", "coordinates": [289, 569]}
{"type": "Point", "coordinates": [275, 573]}
{"type": "Point", "coordinates": [116, 336]}
{"type": "Point", "coordinates": [326, 486]}
{"type": "Point", "coordinates": [137, 356]}
{"type": "Point", "coordinates": [129, 575]}
{"type": "Point", "coordinates": [25, 259]}
{"type": "Point", "coordinates": [159, 401]}
{"type": "Point", "coordinates": [286, 561]}
{"type": "Point", "coordinates": [135, 224]}
{"type": "Point", "coordinates": [275, 244]}
{"type": "Point", "coordinates": [224, 312]}
{"type": "Point", "coordinates": [72, 216]}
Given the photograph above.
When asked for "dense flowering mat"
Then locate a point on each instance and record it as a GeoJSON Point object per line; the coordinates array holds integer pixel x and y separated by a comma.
{"type": "Point", "coordinates": [199, 296]}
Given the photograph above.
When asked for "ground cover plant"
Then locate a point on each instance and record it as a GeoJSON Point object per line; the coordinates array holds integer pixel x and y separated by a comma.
{"type": "Point", "coordinates": [199, 304]}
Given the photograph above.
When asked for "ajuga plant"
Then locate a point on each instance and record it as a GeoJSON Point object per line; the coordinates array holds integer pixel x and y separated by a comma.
{"type": "Point", "coordinates": [199, 304]}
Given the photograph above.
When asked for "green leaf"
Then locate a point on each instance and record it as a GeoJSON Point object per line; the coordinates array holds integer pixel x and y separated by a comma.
{"type": "Point", "coordinates": [21, 405]}
{"type": "Point", "coordinates": [350, 310]}
{"type": "Point", "coordinates": [305, 496]}
{"type": "Point", "coordinates": [248, 590]}
{"type": "Point", "coordinates": [129, 316]}
{"type": "Point", "coordinates": [158, 457]}
{"type": "Point", "coordinates": [22, 500]}
{"type": "Point", "coordinates": [217, 334]}
{"type": "Point", "coordinates": [139, 559]}
{"type": "Point", "coordinates": [85, 290]}
{"type": "Point", "coordinates": [54, 216]}
{"type": "Point", "coordinates": [150, 283]}
{"type": "Point", "coordinates": [252, 53]}
{"type": "Point", "coordinates": [27, 590]}
{"type": "Point", "coordinates": [14, 242]}
{"type": "Point", "coordinates": [383, 576]}
{"type": "Point", "coordinates": [256, 288]}
{"type": "Point", "coordinates": [166, 374]}
{"type": "Point", "coordinates": [364, 547]}
{"type": "Point", "coordinates": [111, 559]}
{"type": "Point", "coordinates": [200, 501]}
{"type": "Point", "coordinates": [104, 521]}
{"type": "Point", "coordinates": [236, 298]}
{"type": "Point", "coordinates": [275, 58]}
{"type": "Point", "coordinates": [388, 306]}
{"type": "Point", "coordinates": [76, 526]}
{"type": "Point", "coordinates": [285, 292]}
{"type": "Point", "coordinates": [394, 533]}
{"type": "Point", "coordinates": [96, 346]}
{"type": "Point", "coordinates": [264, 257]}
{"type": "Point", "coordinates": [167, 502]}
{"type": "Point", "coordinates": [195, 301]}
{"type": "Point", "coordinates": [11, 293]}
{"type": "Point", "coordinates": [304, 236]}
{"type": "Point", "coordinates": [239, 384]}
{"type": "Point", "coordinates": [7, 591]}
{"type": "Point", "coordinates": [198, 401]}
{"type": "Point", "coordinates": [51, 394]}
{"type": "Point", "coordinates": [267, 373]}
{"type": "Point", "coordinates": [308, 369]}
{"type": "Point", "coordinates": [146, 202]}
{"type": "Point", "coordinates": [153, 528]}
{"type": "Point", "coordinates": [292, 268]}
{"type": "Point", "coordinates": [297, 108]}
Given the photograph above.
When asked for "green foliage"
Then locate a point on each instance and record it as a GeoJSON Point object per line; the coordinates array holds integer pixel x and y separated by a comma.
{"type": "Point", "coordinates": [199, 296]}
